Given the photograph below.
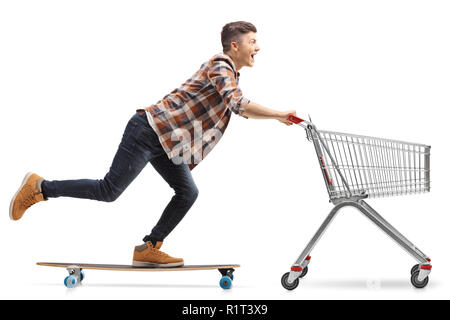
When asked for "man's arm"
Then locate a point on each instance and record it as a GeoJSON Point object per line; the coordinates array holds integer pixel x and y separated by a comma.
{"type": "Point", "coordinates": [221, 76]}
{"type": "Point", "coordinates": [256, 111]}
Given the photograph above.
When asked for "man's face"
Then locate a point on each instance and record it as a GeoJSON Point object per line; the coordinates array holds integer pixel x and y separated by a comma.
{"type": "Point", "coordinates": [247, 49]}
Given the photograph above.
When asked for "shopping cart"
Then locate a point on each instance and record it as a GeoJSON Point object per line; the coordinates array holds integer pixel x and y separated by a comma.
{"type": "Point", "coordinates": [357, 167]}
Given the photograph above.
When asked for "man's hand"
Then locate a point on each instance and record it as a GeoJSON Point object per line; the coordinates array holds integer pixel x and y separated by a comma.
{"type": "Point", "coordinates": [284, 117]}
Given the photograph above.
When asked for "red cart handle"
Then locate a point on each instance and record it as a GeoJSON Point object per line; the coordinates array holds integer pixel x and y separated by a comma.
{"type": "Point", "coordinates": [295, 119]}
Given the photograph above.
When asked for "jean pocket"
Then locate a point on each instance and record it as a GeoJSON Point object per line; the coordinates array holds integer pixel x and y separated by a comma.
{"type": "Point", "coordinates": [146, 135]}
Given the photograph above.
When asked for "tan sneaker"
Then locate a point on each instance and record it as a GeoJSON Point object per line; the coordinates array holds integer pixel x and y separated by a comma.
{"type": "Point", "coordinates": [29, 193]}
{"type": "Point", "coordinates": [147, 255]}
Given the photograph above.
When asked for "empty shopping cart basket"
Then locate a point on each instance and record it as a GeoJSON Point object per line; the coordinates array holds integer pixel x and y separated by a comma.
{"type": "Point", "coordinates": [356, 167]}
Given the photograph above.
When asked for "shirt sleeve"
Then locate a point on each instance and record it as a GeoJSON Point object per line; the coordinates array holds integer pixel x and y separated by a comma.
{"type": "Point", "coordinates": [223, 79]}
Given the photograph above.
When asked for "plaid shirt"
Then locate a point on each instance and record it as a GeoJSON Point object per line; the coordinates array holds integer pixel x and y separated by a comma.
{"type": "Point", "coordinates": [191, 119]}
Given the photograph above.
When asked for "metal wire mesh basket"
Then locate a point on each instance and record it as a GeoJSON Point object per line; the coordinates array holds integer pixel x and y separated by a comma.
{"type": "Point", "coordinates": [356, 165]}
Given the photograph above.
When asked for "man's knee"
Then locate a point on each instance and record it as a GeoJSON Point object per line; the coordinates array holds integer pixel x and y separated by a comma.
{"type": "Point", "coordinates": [111, 197]}
{"type": "Point", "coordinates": [190, 195]}
{"type": "Point", "coordinates": [194, 193]}
{"type": "Point", "coordinates": [109, 193]}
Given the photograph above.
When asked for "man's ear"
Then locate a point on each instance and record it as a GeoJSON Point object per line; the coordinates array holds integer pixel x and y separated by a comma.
{"type": "Point", "coordinates": [234, 45]}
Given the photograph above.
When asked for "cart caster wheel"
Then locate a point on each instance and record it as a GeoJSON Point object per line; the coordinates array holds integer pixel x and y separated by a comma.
{"type": "Point", "coordinates": [414, 269]}
{"type": "Point", "coordinates": [304, 272]}
{"type": "Point", "coordinates": [415, 281]}
{"type": "Point", "coordinates": [225, 282]}
{"type": "Point", "coordinates": [286, 284]}
{"type": "Point", "coordinates": [70, 281]}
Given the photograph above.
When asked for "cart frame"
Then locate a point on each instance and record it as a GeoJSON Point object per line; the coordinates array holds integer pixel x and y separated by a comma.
{"type": "Point", "coordinates": [358, 167]}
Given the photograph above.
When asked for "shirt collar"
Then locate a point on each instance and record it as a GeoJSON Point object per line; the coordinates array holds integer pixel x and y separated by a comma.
{"type": "Point", "coordinates": [228, 58]}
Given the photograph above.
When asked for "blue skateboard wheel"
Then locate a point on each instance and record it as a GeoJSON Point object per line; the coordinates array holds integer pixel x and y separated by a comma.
{"type": "Point", "coordinates": [225, 282]}
{"type": "Point", "coordinates": [70, 281]}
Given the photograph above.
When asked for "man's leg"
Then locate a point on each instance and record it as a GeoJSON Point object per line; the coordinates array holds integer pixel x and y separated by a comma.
{"type": "Point", "coordinates": [132, 156]}
{"type": "Point", "coordinates": [180, 179]}
{"type": "Point", "coordinates": [128, 162]}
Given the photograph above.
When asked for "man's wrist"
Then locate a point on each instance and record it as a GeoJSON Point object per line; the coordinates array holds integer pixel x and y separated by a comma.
{"type": "Point", "coordinates": [279, 115]}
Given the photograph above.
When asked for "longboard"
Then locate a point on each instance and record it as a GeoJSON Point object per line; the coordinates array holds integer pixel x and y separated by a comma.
{"type": "Point", "coordinates": [76, 274]}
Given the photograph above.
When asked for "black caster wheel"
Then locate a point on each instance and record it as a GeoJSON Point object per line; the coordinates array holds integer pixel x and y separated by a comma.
{"type": "Point", "coordinates": [415, 281]}
{"type": "Point", "coordinates": [304, 272]}
{"type": "Point", "coordinates": [286, 284]}
{"type": "Point", "coordinates": [414, 269]}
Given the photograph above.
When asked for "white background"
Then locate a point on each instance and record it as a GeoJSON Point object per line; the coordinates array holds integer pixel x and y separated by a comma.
{"type": "Point", "coordinates": [72, 73]}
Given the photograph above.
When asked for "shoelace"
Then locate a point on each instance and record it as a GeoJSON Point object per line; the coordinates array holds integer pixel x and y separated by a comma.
{"type": "Point", "coordinates": [29, 197]}
{"type": "Point", "coordinates": [159, 252]}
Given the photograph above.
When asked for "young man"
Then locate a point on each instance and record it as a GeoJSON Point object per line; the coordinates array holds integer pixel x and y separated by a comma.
{"type": "Point", "coordinates": [174, 135]}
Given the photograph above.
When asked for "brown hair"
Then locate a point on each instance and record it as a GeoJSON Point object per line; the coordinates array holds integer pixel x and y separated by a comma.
{"type": "Point", "coordinates": [232, 32]}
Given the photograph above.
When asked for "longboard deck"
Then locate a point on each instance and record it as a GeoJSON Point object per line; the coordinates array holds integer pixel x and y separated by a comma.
{"type": "Point", "coordinates": [121, 267]}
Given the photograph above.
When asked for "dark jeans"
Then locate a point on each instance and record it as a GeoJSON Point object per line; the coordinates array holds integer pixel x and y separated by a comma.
{"type": "Point", "coordinates": [139, 146]}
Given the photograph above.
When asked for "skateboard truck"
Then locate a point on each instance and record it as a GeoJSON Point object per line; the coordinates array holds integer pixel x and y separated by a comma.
{"type": "Point", "coordinates": [76, 276]}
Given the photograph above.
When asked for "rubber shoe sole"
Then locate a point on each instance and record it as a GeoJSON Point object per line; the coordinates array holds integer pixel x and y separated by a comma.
{"type": "Point", "coordinates": [28, 175]}
{"type": "Point", "coordinates": [157, 265]}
